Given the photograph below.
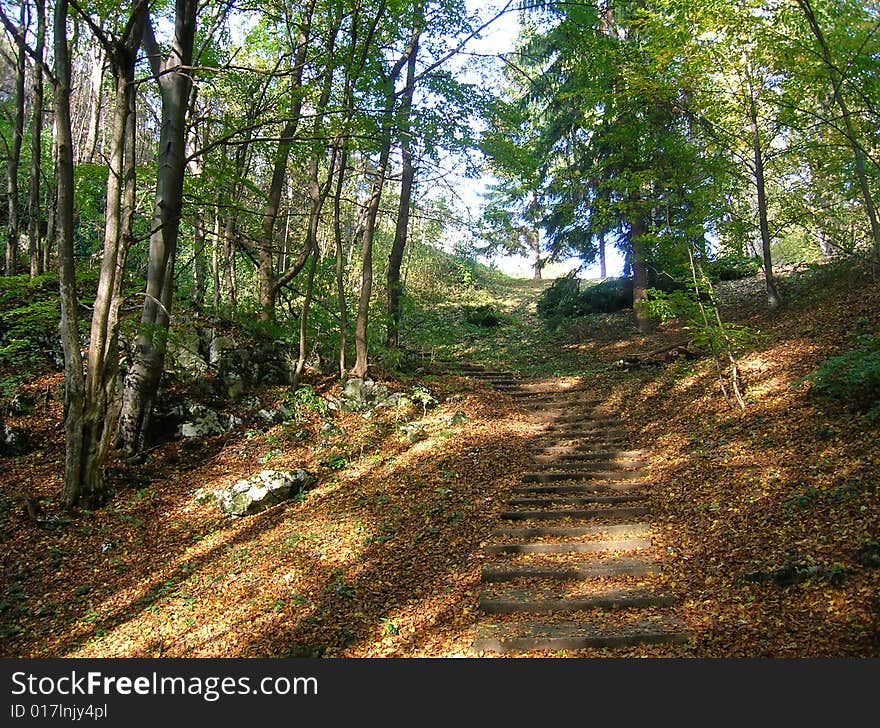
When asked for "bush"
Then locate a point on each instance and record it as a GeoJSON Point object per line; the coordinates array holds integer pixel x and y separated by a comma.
{"type": "Point", "coordinates": [565, 299]}
{"type": "Point", "coordinates": [852, 378]}
{"type": "Point", "coordinates": [483, 316]}
{"type": "Point", "coordinates": [560, 299]}
{"type": "Point", "coordinates": [732, 267]}
{"type": "Point", "coordinates": [29, 324]}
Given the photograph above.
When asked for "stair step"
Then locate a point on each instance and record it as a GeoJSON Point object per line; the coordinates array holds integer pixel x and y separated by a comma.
{"type": "Point", "coordinates": [588, 447]}
{"type": "Point", "coordinates": [593, 465]}
{"type": "Point", "coordinates": [564, 499]}
{"type": "Point", "coordinates": [541, 400]}
{"type": "Point", "coordinates": [593, 569]}
{"type": "Point", "coordinates": [579, 514]}
{"type": "Point", "coordinates": [529, 637]}
{"type": "Point", "coordinates": [575, 488]}
{"type": "Point", "coordinates": [582, 427]}
{"type": "Point", "coordinates": [616, 529]}
{"type": "Point", "coordinates": [570, 547]}
{"type": "Point", "coordinates": [539, 601]}
{"type": "Point", "coordinates": [581, 474]}
{"type": "Point", "coordinates": [569, 418]}
{"type": "Point", "coordinates": [589, 457]}
{"type": "Point", "coordinates": [598, 437]}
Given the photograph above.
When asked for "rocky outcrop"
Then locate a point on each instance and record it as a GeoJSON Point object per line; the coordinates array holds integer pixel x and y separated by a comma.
{"type": "Point", "coordinates": [259, 492]}
{"type": "Point", "coordinates": [196, 350]}
{"type": "Point", "coordinates": [362, 395]}
{"type": "Point", "coordinates": [190, 419]}
{"type": "Point", "coordinates": [13, 441]}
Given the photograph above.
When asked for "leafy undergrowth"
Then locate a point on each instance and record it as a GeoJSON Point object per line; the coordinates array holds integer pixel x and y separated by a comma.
{"type": "Point", "coordinates": [767, 523]}
{"type": "Point", "coordinates": [770, 520]}
{"type": "Point", "coordinates": [381, 558]}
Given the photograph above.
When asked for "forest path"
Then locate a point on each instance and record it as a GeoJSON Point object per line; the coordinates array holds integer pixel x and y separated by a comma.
{"type": "Point", "coordinates": [571, 564]}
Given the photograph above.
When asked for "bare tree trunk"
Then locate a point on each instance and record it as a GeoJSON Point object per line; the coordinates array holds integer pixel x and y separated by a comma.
{"type": "Point", "coordinates": [269, 284]}
{"type": "Point", "coordinates": [229, 263]}
{"type": "Point", "coordinates": [395, 259]}
{"type": "Point", "coordinates": [102, 386]}
{"type": "Point", "coordinates": [50, 241]}
{"type": "Point", "coordinates": [773, 298]}
{"type": "Point", "coordinates": [304, 321]}
{"type": "Point", "coordinates": [340, 261]}
{"type": "Point", "coordinates": [603, 269]}
{"type": "Point", "coordinates": [266, 268]}
{"type": "Point", "coordinates": [95, 100]}
{"type": "Point", "coordinates": [200, 241]}
{"type": "Point", "coordinates": [34, 227]}
{"type": "Point", "coordinates": [361, 322]}
{"type": "Point", "coordinates": [12, 164]}
{"type": "Point", "coordinates": [537, 263]}
{"type": "Point", "coordinates": [74, 382]}
{"type": "Point", "coordinates": [175, 85]}
{"type": "Point", "coordinates": [638, 230]}
{"type": "Point", "coordinates": [361, 344]}
{"type": "Point", "coordinates": [215, 262]}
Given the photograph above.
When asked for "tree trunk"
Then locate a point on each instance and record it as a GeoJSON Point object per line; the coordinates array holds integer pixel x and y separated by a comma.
{"type": "Point", "coordinates": [50, 241]}
{"type": "Point", "coordinates": [34, 227]}
{"type": "Point", "coordinates": [200, 265]}
{"type": "Point", "coordinates": [773, 298]}
{"type": "Point", "coordinates": [393, 309]}
{"type": "Point", "coordinates": [269, 284]}
{"type": "Point", "coordinates": [74, 384]}
{"type": "Point", "coordinates": [361, 345]}
{"type": "Point", "coordinates": [95, 99]}
{"type": "Point", "coordinates": [215, 262]}
{"type": "Point", "coordinates": [340, 260]}
{"type": "Point", "coordinates": [229, 281]}
{"type": "Point", "coordinates": [304, 321]}
{"type": "Point", "coordinates": [603, 269]}
{"type": "Point", "coordinates": [361, 323]}
{"type": "Point", "coordinates": [644, 322]}
{"type": "Point", "coordinates": [142, 381]}
{"type": "Point", "coordinates": [535, 244]}
{"type": "Point", "coordinates": [101, 402]}
{"type": "Point", "coordinates": [12, 163]}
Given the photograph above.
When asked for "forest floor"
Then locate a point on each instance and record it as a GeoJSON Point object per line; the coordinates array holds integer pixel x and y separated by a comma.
{"type": "Point", "coordinates": [768, 521]}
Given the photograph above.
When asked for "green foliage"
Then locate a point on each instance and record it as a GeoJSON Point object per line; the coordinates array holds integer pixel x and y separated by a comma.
{"type": "Point", "coordinates": [90, 200]}
{"type": "Point", "coordinates": [31, 312]}
{"type": "Point", "coordinates": [483, 315]}
{"type": "Point", "coordinates": [716, 338]}
{"type": "Point", "coordinates": [852, 378]}
{"type": "Point", "coordinates": [565, 299]}
{"type": "Point", "coordinates": [386, 359]}
{"type": "Point", "coordinates": [668, 306]}
{"type": "Point", "coordinates": [306, 399]}
{"type": "Point", "coordinates": [713, 336]}
{"type": "Point", "coordinates": [732, 267]}
{"type": "Point", "coordinates": [423, 396]}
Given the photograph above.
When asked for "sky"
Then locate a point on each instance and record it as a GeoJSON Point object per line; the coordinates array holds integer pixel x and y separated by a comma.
{"type": "Point", "coordinates": [499, 38]}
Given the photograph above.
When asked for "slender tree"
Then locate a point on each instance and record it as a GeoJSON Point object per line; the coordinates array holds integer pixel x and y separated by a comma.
{"type": "Point", "coordinates": [174, 80]}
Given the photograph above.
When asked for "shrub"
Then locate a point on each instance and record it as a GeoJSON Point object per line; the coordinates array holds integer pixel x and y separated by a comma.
{"type": "Point", "coordinates": [614, 294]}
{"type": "Point", "coordinates": [852, 378]}
{"type": "Point", "coordinates": [30, 314]}
{"type": "Point", "coordinates": [483, 316]}
{"type": "Point", "coordinates": [732, 267]}
{"type": "Point", "coordinates": [565, 299]}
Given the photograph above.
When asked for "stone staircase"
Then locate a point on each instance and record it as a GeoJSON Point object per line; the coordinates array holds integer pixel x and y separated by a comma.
{"type": "Point", "coordinates": [571, 566]}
